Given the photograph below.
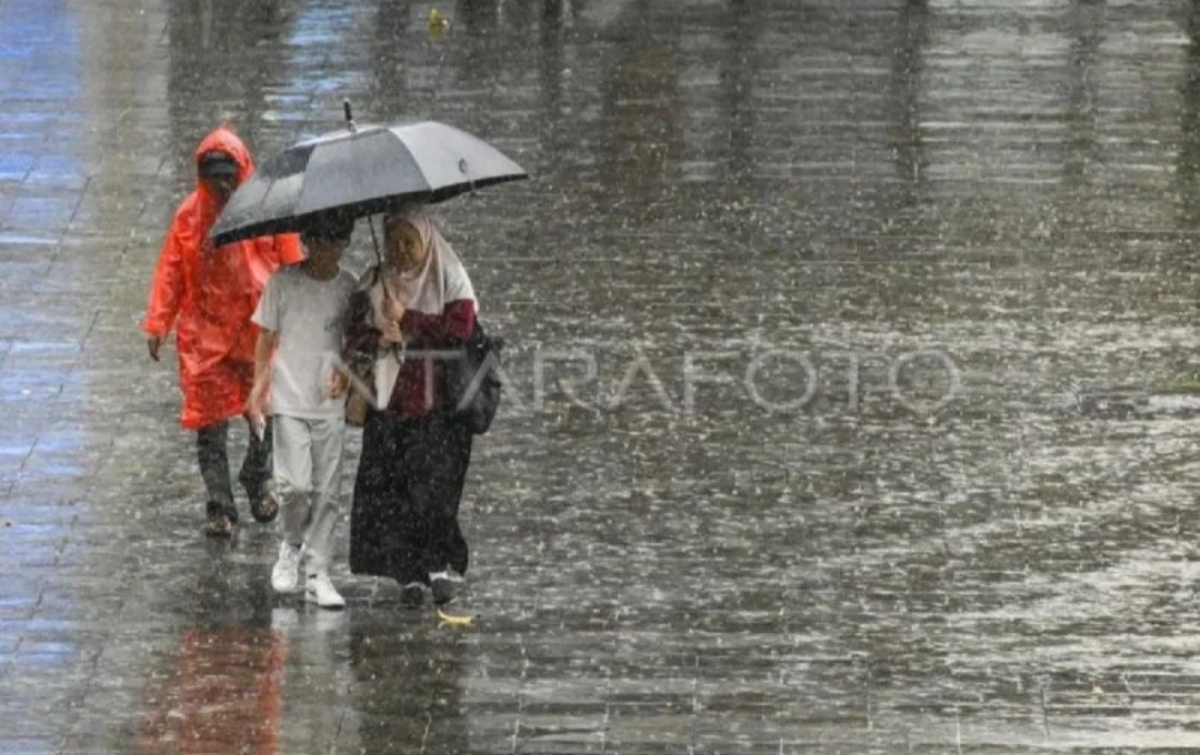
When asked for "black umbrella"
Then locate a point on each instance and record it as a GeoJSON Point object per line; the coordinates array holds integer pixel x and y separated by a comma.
{"type": "Point", "coordinates": [361, 171]}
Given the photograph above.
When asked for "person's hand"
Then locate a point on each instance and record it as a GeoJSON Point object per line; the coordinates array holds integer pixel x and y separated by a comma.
{"type": "Point", "coordinates": [394, 309]}
{"type": "Point", "coordinates": [339, 383]}
{"type": "Point", "coordinates": [257, 406]}
{"type": "Point", "coordinates": [391, 331]}
{"type": "Point", "coordinates": [393, 314]}
{"type": "Point", "coordinates": [258, 425]}
{"type": "Point", "coordinates": [154, 344]}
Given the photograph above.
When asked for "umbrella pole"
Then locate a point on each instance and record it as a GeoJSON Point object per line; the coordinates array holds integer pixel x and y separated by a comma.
{"type": "Point", "coordinates": [378, 256]}
{"type": "Point", "coordinates": [375, 242]}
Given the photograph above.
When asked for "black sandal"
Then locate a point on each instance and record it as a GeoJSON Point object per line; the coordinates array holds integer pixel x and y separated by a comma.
{"type": "Point", "coordinates": [218, 525]}
{"type": "Point", "coordinates": [264, 508]}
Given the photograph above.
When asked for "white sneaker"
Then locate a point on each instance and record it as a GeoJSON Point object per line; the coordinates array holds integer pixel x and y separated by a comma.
{"type": "Point", "coordinates": [318, 589]}
{"type": "Point", "coordinates": [285, 575]}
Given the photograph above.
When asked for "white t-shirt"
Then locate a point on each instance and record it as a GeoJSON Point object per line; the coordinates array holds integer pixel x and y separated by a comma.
{"type": "Point", "coordinates": [308, 315]}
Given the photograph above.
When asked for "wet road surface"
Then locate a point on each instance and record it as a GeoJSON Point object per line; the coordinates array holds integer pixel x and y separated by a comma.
{"type": "Point", "coordinates": [847, 344]}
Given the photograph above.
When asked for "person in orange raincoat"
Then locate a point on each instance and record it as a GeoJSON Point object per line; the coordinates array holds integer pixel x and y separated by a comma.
{"type": "Point", "coordinates": [208, 294]}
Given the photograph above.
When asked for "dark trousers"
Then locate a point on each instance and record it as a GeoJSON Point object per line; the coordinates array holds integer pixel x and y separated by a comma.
{"type": "Point", "coordinates": [212, 447]}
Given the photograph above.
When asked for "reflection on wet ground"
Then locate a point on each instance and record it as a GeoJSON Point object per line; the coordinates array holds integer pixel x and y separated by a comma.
{"type": "Point", "coordinates": [845, 413]}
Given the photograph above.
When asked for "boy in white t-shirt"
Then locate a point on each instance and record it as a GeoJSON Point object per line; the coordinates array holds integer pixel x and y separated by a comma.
{"type": "Point", "coordinates": [297, 364]}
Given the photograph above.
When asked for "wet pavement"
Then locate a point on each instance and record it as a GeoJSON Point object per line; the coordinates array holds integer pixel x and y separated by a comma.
{"type": "Point", "coordinates": [852, 346]}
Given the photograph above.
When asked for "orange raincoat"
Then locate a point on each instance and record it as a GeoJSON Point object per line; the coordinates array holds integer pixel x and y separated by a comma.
{"type": "Point", "coordinates": [209, 295]}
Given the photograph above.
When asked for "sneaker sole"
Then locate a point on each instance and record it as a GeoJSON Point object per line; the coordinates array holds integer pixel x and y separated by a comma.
{"type": "Point", "coordinates": [309, 597]}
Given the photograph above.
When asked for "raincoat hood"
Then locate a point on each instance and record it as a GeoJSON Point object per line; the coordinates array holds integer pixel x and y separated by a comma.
{"type": "Point", "coordinates": [222, 139]}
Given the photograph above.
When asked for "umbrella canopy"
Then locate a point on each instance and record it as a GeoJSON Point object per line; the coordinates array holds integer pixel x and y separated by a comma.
{"type": "Point", "coordinates": [361, 171]}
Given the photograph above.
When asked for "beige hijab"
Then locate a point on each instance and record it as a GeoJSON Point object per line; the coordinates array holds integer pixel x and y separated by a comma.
{"type": "Point", "coordinates": [440, 279]}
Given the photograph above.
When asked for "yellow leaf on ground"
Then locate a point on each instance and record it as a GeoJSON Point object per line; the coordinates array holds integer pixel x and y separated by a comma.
{"type": "Point", "coordinates": [455, 618]}
{"type": "Point", "coordinates": [438, 23]}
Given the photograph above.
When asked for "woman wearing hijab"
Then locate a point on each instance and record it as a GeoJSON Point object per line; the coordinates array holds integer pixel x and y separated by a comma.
{"type": "Point", "coordinates": [415, 453]}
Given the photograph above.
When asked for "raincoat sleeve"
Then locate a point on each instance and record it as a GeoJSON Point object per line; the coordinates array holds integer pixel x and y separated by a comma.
{"type": "Point", "coordinates": [287, 249]}
{"type": "Point", "coordinates": [166, 289]}
{"type": "Point", "coordinates": [453, 325]}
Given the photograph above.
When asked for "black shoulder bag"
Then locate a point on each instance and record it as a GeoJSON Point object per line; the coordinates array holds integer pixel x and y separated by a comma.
{"type": "Point", "coordinates": [473, 382]}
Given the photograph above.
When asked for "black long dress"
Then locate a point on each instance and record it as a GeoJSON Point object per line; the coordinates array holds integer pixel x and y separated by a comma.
{"type": "Point", "coordinates": [404, 519]}
{"type": "Point", "coordinates": [404, 516]}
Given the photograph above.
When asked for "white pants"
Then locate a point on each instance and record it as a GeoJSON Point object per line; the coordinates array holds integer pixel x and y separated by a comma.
{"type": "Point", "coordinates": [307, 457]}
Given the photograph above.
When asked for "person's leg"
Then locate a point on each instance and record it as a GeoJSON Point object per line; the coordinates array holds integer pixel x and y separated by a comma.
{"type": "Point", "coordinates": [376, 525]}
{"type": "Point", "coordinates": [371, 510]}
{"type": "Point", "coordinates": [255, 475]}
{"type": "Point", "coordinates": [413, 501]}
{"type": "Point", "coordinates": [458, 459]}
{"type": "Point", "coordinates": [213, 454]}
{"type": "Point", "coordinates": [379, 522]}
{"type": "Point", "coordinates": [327, 437]}
{"type": "Point", "coordinates": [409, 530]}
{"type": "Point", "coordinates": [292, 460]}
{"type": "Point", "coordinates": [292, 482]}
{"type": "Point", "coordinates": [436, 492]}
{"type": "Point", "coordinates": [327, 441]}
